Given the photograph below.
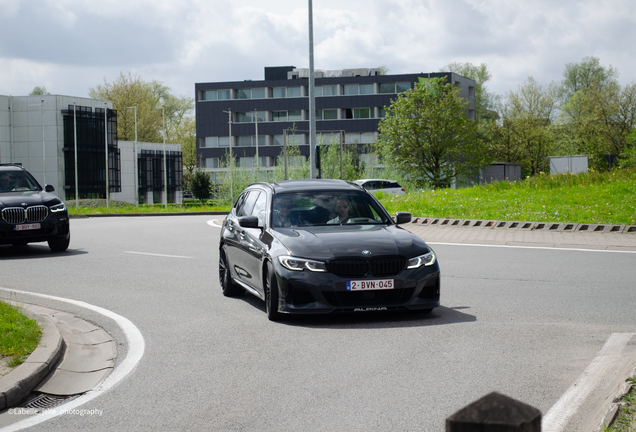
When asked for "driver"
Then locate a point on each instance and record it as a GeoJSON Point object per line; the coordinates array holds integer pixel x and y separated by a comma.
{"type": "Point", "coordinates": [282, 213]}
{"type": "Point", "coordinates": [7, 183]}
{"type": "Point", "coordinates": [342, 211]}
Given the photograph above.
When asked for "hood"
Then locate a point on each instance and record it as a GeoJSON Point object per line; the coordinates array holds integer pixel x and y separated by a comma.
{"type": "Point", "coordinates": [31, 198]}
{"type": "Point", "coordinates": [329, 242]}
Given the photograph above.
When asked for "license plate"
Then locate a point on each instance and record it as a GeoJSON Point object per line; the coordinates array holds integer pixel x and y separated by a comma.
{"type": "Point", "coordinates": [27, 227]}
{"type": "Point", "coordinates": [365, 285]}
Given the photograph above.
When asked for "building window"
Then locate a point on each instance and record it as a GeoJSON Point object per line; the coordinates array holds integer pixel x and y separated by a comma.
{"type": "Point", "coordinates": [328, 138]}
{"type": "Point", "coordinates": [361, 113]}
{"type": "Point", "coordinates": [249, 117]}
{"type": "Point", "coordinates": [257, 93]}
{"type": "Point", "coordinates": [224, 141]}
{"type": "Point", "coordinates": [279, 92]}
{"type": "Point", "coordinates": [278, 116]}
{"type": "Point", "coordinates": [277, 140]}
{"type": "Point", "coordinates": [211, 142]}
{"type": "Point", "coordinates": [369, 160]}
{"type": "Point", "coordinates": [329, 114]}
{"type": "Point", "coordinates": [382, 112]}
{"type": "Point", "coordinates": [211, 162]}
{"type": "Point", "coordinates": [208, 95]}
{"type": "Point", "coordinates": [329, 90]}
{"type": "Point", "coordinates": [360, 138]}
{"type": "Point", "coordinates": [244, 141]}
{"type": "Point", "coordinates": [357, 113]}
{"type": "Point", "coordinates": [471, 91]}
{"type": "Point", "coordinates": [294, 92]}
{"type": "Point", "coordinates": [246, 162]}
{"type": "Point", "coordinates": [402, 87]}
{"type": "Point", "coordinates": [292, 115]}
{"type": "Point", "coordinates": [358, 89]}
{"type": "Point", "coordinates": [394, 87]}
{"type": "Point", "coordinates": [264, 161]}
{"type": "Point", "coordinates": [223, 94]}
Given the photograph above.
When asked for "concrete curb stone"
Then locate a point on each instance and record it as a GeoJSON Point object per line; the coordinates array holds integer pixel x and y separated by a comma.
{"type": "Point", "coordinates": [18, 384]}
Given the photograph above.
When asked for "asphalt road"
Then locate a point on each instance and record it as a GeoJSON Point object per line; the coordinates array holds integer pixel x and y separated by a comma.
{"type": "Point", "coordinates": [523, 322]}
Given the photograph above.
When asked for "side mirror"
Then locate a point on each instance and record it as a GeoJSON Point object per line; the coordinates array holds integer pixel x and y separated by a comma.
{"type": "Point", "coordinates": [248, 221]}
{"type": "Point", "coordinates": [402, 217]}
{"type": "Point", "coordinates": [49, 188]}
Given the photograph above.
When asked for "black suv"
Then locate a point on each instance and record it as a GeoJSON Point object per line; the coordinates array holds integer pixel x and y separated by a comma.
{"type": "Point", "coordinates": [30, 213]}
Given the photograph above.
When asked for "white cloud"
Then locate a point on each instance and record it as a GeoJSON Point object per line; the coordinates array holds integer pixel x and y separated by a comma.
{"type": "Point", "coordinates": [70, 45]}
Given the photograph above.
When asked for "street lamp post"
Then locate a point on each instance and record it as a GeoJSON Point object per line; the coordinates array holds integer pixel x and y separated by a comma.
{"type": "Point", "coordinates": [312, 98]}
{"type": "Point", "coordinates": [165, 156]}
{"type": "Point", "coordinates": [256, 131]}
{"type": "Point", "coordinates": [75, 150]}
{"type": "Point", "coordinates": [106, 147]}
{"type": "Point", "coordinates": [229, 113]}
{"type": "Point", "coordinates": [135, 159]}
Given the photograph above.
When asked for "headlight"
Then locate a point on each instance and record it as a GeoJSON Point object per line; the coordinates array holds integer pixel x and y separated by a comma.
{"type": "Point", "coordinates": [299, 264]}
{"type": "Point", "coordinates": [423, 260]}
{"type": "Point", "coordinates": [58, 207]}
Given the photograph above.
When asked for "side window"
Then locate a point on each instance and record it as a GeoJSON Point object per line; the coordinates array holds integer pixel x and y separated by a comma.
{"type": "Point", "coordinates": [259, 208]}
{"type": "Point", "coordinates": [238, 206]}
{"type": "Point", "coordinates": [248, 204]}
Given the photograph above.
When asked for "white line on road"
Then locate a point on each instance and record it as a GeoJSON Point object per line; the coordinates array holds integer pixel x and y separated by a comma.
{"type": "Point", "coordinates": [213, 223]}
{"type": "Point", "coordinates": [557, 418]}
{"type": "Point", "coordinates": [157, 255]}
{"type": "Point", "coordinates": [136, 347]}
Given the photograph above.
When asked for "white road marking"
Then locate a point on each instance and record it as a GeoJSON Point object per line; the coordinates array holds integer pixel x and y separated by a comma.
{"type": "Point", "coordinates": [136, 347]}
{"type": "Point", "coordinates": [213, 224]}
{"type": "Point", "coordinates": [529, 247]}
{"type": "Point", "coordinates": [556, 419]}
{"type": "Point", "coordinates": [157, 255]}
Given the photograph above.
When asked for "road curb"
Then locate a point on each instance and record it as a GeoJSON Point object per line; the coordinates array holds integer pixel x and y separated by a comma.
{"type": "Point", "coordinates": [18, 384]}
{"type": "Point", "coordinates": [523, 225]}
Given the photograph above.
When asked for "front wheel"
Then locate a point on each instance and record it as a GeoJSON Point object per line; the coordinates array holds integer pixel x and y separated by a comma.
{"type": "Point", "coordinates": [230, 289]}
{"type": "Point", "coordinates": [59, 244]}
{"type": "Point", "coordinates": [271, 294]}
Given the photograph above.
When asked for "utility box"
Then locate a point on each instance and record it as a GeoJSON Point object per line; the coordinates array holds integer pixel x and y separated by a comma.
{"type": "Point", "coordinates": [568, 164]}
{"type": "Point", "coordinates": [500, 171]}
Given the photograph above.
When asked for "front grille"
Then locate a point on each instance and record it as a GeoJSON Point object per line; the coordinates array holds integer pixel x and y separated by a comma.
{"type": "Point", "coordinates": [358, 267]}
{"type": "Point", "coordinates": [368, 298]}
{"type": "Point", "coordinates": [18, 215]}
{"type": "Point", "coordinates": [37, 213]}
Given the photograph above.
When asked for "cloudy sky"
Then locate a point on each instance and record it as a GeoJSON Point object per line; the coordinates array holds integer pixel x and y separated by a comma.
{"type": "Point", "coordinates": [69, 46]}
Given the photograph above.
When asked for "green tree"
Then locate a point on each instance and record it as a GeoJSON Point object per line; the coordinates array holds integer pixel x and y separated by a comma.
{"type": "Point", "coordinates": [148, 96]}
{"type": "Point", "coordinates": [427, 135]}
{"type": "Point", "coordinates": [201, 185]}
{"type": "Point", "coordinates": [485, 101]}
{"type": "Point", "coordinates": [526, 119]}
{"type": "Point", "coordinates": [581, 76]}
{"type": "Point", "coordinates": [39, 91]}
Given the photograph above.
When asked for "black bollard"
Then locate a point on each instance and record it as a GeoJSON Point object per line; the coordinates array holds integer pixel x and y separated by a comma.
{"type": "Point", "coordinates": [495, 413]}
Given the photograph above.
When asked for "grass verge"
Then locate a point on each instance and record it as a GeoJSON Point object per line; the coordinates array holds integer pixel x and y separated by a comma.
{"type": "Point", "coordinates": [625, 420]}
{"type": "Point", "coordinates": [98, 206]}
{"type": "Point", "coordinates": [593, 198]}
{"type": "Point", "coordinates": [19, 335]}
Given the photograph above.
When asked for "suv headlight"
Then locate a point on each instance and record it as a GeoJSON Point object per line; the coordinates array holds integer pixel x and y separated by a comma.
{"type": "Point", "coordinates": [299, 264]}
{"type": "Point", "coordinates": [58, 208]}
{"type": "Point", "coordinates": [423, 260]}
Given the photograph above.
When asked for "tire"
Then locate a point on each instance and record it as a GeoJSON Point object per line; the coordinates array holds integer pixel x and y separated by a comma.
{"type": "Point", "coordinates": [271, 295]}
{"type": "Point", "coordinates": [229, 288]}
{"type": "Point", "coordinates": [59, 244]}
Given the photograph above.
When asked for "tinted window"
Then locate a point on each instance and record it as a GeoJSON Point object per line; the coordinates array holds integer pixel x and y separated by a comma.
{"type": "Point", "coordinates": [248, 204]}
{"type": "Point", "coordinates": [259, 208]}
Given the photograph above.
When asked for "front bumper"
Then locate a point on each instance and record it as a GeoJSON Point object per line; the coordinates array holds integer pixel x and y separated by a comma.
{"type": "Point", "coordinates": [307, 292]}
{"type": "Point", "coordinates": [50, 228]}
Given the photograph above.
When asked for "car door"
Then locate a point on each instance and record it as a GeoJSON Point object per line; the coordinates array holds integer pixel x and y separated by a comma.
{"type": "Point", "coordinates": [253, 249]}
{"type": "Point", "coordinates": [234, 234]}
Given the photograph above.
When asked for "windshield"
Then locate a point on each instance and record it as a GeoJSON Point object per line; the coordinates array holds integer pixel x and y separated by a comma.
{"type": "Point", "coordinates": [17, 181]}
{"type": "Point", "coordinates": [326, 208]}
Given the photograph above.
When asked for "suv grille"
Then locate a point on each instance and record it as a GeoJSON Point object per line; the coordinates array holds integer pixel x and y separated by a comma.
{"type": "Point", "coordinates": [358, 267]}
{"type": "Point", "coordinates": [18, 215]}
